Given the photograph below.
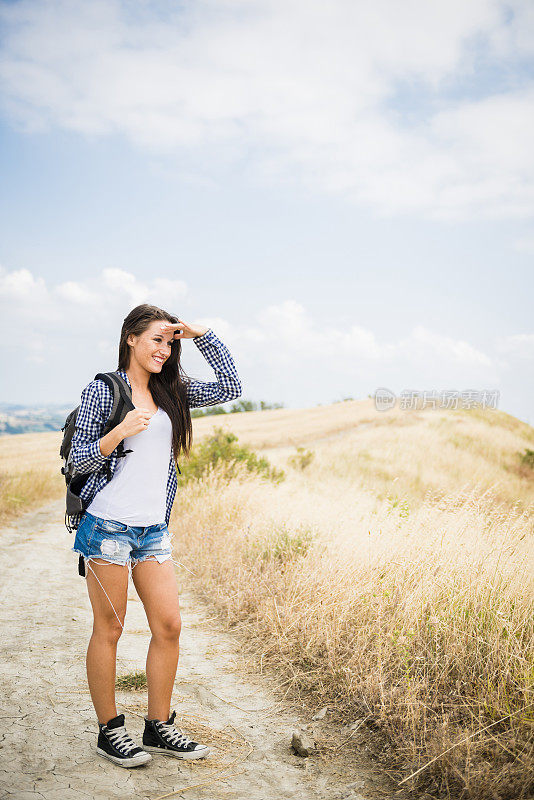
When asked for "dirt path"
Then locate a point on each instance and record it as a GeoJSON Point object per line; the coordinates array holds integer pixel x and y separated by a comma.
{"type": "Point", "coordinates": [48, 722]}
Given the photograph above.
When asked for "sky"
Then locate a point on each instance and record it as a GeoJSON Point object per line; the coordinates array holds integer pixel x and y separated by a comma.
{"type": "Point", "coordinates": [342, 191]}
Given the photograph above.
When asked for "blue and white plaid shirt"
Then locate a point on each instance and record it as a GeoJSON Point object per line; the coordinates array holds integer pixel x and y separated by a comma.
{"type": "Point", "coordinates": [95, 409]}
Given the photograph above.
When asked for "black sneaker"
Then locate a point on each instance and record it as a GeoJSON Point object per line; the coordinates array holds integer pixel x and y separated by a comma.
{"type": "Point", "coordinates": [115, 744]}
{"type": "Point", "coordinates": [163, 737]}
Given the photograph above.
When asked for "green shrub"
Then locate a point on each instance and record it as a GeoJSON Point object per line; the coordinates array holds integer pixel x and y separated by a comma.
{"type": "Point", "coordinates": [302, 458]}
{"type": "Point", "coordinates": [281, 545]}
{"type": "Point", "coordinates": [400, 503]}
{"type": "Point", "coordinates": [527, 458]}
{"type": "Point", "coordinates": [222, 446]}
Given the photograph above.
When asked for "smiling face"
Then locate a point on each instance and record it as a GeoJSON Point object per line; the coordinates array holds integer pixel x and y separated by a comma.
{"type": "Point", "coordinates": [151, 349]}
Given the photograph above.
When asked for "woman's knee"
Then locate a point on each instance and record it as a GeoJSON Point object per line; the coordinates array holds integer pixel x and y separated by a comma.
{"type": "Point", "coordinates": [168, 627]}
{"type": "Point", "coordinates": [108, 629]}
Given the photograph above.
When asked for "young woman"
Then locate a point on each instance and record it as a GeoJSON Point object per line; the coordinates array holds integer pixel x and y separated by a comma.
{"type": "Point", "coordinates": [128, 502]}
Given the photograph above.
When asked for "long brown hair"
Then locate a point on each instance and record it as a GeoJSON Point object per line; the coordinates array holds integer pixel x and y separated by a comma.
{"type": "Point", "coordinates": [168, 387]}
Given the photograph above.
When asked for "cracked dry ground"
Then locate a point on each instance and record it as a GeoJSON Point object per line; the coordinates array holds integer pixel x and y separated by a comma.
{"type": "Point", "coordinates": [48, 722]}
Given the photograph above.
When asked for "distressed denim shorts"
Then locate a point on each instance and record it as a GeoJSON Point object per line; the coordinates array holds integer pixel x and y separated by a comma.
{"type": "Point", "coordinates": [120, 543]}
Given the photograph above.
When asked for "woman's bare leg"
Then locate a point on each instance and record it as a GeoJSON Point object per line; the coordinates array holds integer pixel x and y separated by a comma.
{"type": "Point", "coordinates": [102, 650]}
{"type": "Point", "coordinates": [156, 586]}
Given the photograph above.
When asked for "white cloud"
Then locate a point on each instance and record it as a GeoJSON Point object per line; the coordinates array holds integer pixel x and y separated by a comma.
{"type": "Point", "coordinates": [69, 331]}
{"type": "Point", "coordinates": [308, 90]}
{"type": "Point", "coordinates": [285, 330]}
{"type": "Point", "coordinates": [25, 298]}
{"type": "Point", "coordinates": [120, 282]}
{"type": "Point", "coordinates": [117, 285]}
{"type": "Point", "coordinates": [520, 345]}
{"type": "Point", "coordinates": [77, 293]}
{"type": "Point", "coordinates": [290, 329]}
{"type": "Point", "coordinates": [57, 312]}
{"type": "Point", "coordinates": [443, 348]}
{"type": "Point", "coordinates": [287, 320]}
{"type": "Point", "coordinates": [20, 284]}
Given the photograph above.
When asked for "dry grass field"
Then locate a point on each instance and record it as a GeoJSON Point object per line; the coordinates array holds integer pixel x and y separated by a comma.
{"type": "Point", "coordinates": [29, 472]}
{"type": "Point", "coordinates": [388, 576]}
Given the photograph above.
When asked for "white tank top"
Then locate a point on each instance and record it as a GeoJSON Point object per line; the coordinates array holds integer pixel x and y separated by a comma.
{"type": "Point", "coordinates": [137, 492]}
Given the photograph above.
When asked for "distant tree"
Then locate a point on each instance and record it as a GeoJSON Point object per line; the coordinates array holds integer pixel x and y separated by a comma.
{"type": "Point", "coordinates": [237, 407]}
{"type": "Point", "coordinates": [243, 405]}
{"type": "Point", "coordinates": [266, 406]}
{"type": "Point", "coordinates": [207, 412]}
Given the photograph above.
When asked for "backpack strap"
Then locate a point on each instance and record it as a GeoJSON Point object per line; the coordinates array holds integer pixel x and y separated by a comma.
{"type": "Point", "coordinates": [122, 404]}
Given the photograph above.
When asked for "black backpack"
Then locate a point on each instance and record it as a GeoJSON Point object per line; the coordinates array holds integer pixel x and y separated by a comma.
{"type": "Point", "coordinates": [122, 404]}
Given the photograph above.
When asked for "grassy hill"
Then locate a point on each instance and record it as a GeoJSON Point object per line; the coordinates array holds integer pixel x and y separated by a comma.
{"type": "Point", "coordinates": [410, 452]}
{"type": "Point", "coordinates": [388, 576]}
{"type": "Point", "coordinates": [405, 453]}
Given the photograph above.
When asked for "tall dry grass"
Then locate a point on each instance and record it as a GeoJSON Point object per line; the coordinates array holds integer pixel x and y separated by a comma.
{"type": "Point", "coordinates": [403, 453]}
{"type": "Point", "coordinates": [29, 472]}
{"type": "Point", "coordinates": [405, 602]}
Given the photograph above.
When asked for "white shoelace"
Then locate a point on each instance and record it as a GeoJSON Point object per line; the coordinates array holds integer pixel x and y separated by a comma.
{"type": "Point", "coordinates": [120, 739]}
{"type": "Point", "coordinates": [174, 735]}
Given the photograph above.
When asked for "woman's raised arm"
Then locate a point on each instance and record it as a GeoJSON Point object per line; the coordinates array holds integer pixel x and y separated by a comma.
{"type": "Point", "coordinates": [208, 393]}
{"type": "Point", "coordinates": [227, 386]}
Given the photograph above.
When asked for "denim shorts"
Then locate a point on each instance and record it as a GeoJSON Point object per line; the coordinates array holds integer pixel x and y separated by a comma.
{"type": "Point", "coordinates": [120, 543]}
